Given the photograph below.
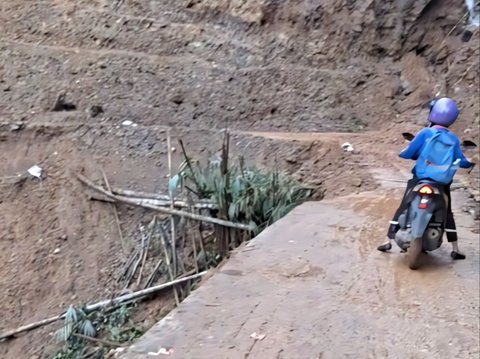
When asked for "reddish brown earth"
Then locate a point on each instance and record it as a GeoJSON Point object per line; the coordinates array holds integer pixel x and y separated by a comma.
{"type": "Point", "coordinates": [360, 68]}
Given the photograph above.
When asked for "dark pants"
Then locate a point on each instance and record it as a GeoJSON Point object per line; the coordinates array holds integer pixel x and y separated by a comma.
{"type": "Point", "coordinates": [451, 228]}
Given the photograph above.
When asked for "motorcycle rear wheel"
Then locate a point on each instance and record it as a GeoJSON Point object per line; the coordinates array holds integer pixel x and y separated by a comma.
{"type": "Point", "coordinates": [415, 253]}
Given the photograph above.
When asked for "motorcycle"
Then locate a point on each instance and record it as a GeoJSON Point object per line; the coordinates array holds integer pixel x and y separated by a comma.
{"type": "Point", "coordinates": [422, 224]}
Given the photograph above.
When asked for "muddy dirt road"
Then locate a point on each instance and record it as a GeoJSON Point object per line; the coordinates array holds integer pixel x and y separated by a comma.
{"type": "Point", "coordinates": [314, 285]}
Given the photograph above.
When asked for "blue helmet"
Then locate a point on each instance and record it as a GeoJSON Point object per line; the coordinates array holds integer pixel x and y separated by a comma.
{"type": "Point", "coordinates": [443, 112]}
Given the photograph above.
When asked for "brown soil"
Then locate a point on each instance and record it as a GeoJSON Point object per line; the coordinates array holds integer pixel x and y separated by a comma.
{"type": "Point", "coordinates": [353, 71]}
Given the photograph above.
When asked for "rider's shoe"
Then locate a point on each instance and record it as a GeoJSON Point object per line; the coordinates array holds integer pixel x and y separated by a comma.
{"type": "Point", "coordinates": [385, 247]}
{"type": "Point", "coordinates": [457, 255]}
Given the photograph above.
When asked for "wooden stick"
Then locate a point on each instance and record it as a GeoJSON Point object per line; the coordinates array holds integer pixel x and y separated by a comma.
{"type": "Point", "coordinates": [181, 265]}
{"type": "Point", "coordinates": [140, 293]}
{"type": "Point", "coordinates": [140, 194]}
{"type": "Point", "coordinates": [189, 164]}
{"type": "Point", "coordinates": [161, 197]}
{"type": "Point", "coordinates": [172, 206]}
{"type": "Point", "coordinates": [189, 273]}
{"type": "Point", "coordinates": [195, 255]}
{"type": "Point", "coordinates": [202, 245]}
{"type": "Point", "coordinates": [91, 354]}
{"type": "Point", "coordinates": [175, 212]}
{"type": "Point", "coordinates": [115, 213]}
{"type": "Point", "coordinates": [184, 221]}
{"type": "Point", "coordinates": [105, 303]}
{"type": "Point", "coordinates": [97, 340]}
{"type": "Point", "coordinates": [28, 327]}
{"type": "Point", "coordinates": [127, 266]}
{"type": "Point", "coordinates": [194, 237]}
{"type": "Point", "coordinates": [158, 202]}
{"type": "Point", "coordinates": [152, 276]}
{"type": "Point", "coordinates": [169, 268]}
{"type": "Point", "coordinates": [149, 241]}
{"type": "Point", "coordinates": [100, 198]}
{"type": "Point", "coordinates": [140, 257]}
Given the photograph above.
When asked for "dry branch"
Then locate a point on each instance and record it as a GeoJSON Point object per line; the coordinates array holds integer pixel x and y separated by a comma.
{"type": "Point", "coordinates": [169, 268]}
{"type": "Point", "coordinates": [105, 303]}
{"type": "Point", "coordinates": [139, 260]}
{"type": "Point", "coordinates": [127, 267]}
{"type": "Point", "coordinates": [172, 206]}
{"type": "Point", "coordinates": [152, 276]}
{"type": "Point", "coordinates": [140, 293]}
{"type": "Point", "coordinates": [144, 259]}
{"type": "Point", "coordinates": [115, 213]}
{"type": "Point", "coordinates": [169, 211]}
{"type": "Point", "coordinates": [195, 252]}
{"type": "Point", "coordinates": [99, 341]}
{"type": "Point", "coordinates": [28, 327]}
{"type": "Point", "coordinates": [157, 202]}
{"type": "Point", "coordinates": [204, 203]}
{"type": "Point", "coordinates": [140, 194]}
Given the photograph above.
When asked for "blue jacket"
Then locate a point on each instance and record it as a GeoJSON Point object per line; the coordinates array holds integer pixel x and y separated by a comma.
{"type": "Point", "coordinates": [414, 148]}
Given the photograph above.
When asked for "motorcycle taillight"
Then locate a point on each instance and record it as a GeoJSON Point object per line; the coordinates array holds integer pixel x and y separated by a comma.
{"type": "Point", "coordinates": [425, 190]}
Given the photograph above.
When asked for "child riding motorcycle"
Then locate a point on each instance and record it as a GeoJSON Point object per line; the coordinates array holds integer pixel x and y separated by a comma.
{"type": "Point", "coordinates": [443, 113]}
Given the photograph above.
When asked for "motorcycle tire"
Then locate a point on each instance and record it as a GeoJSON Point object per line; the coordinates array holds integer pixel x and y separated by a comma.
{"type": "Point", "coordinates": [415, 253]}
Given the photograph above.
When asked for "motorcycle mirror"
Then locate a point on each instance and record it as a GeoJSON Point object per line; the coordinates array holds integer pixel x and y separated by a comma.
{"type": "Point", "coordinates": [408, 136]}
{"type": "Point", "coordinates": [467, 144]}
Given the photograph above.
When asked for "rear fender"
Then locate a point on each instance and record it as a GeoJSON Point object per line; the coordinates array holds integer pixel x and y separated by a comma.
{"type": "Point", "coordinates": [419, 218]}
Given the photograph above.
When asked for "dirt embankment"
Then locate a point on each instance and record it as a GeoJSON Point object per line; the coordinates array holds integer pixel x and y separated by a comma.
{"type": "Point", "coordinates": [197, 66]}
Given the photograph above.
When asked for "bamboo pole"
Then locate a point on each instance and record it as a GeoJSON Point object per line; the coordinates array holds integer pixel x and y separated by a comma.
{"type": "Point", "coordinates": [160, 197]}
{"type": "Point", "coordinates": [169, 211]}
{"type": "Point", "coordinates": [195, 252]}
{"type": "Point", "coordinates": [169, 267]}
{"type": "Point", "coordinates": [105, 303]}
{"type": "Point", "coordinates": [152, 275]}
{"type": "Point", "coordinates": [140, 293]}
{"type": "Point", "coordinates": [158, 202]}
{"type": "Point", "coordinates": [28, 327]}
{"type": "Point", "coordinates": [172, 207]}
{"type": "Point", "coordinates": [115, 213]}
{"type": "Point", "coordinates": [140, 194]}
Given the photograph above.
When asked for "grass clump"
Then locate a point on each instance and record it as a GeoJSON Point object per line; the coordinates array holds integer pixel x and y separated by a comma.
{"type": "Point", "coordinates": [242, 194]}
